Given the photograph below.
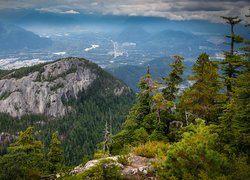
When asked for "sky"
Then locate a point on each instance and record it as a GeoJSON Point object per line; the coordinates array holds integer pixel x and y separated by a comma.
{"type": "Point", "coordinates": [170, 9]}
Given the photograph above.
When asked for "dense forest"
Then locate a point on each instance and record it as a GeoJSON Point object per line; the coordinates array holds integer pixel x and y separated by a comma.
{"type": "Point", "coordinates": [202, 132]}
{"type": "Point", "coordinates": [80, 129]}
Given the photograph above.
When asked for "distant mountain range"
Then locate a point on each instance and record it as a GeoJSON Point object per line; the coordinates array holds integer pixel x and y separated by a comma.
{"type": "Point", "coordinates": [16, 38]}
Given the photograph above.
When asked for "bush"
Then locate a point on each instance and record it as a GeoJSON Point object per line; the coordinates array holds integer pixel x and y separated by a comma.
{"type": "Point", "coordinates": [99, 154]}
{"type": "Point", "coordinates": [123, 159]}
{"type": "Point", "coordinates": [151, 149]}
{"type": "Point", "coordinates": [121, 142]}
{"type": "Point", "coordinates": [194, 154]}
{"type": "Point", "coordinates": [105, 169]}
{"type": "Point", "coordinates": [141, 135]}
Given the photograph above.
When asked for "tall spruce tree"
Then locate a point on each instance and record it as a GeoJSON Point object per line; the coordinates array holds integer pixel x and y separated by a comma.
{"type": "Point", "coordinates": [202, 99]}
{"type": "Point", "coordinates": [55, 152]}
{"type": "Point", "coordinates": [235, 122]}
{"type": "Point", "coordinates": [173, 79]}
{"type": "Point", "coordinates": [25, 158]}
{"type": "Point", "coordinates": [142, 108]}
{"type": "Point", "coordinates": [233, 61]}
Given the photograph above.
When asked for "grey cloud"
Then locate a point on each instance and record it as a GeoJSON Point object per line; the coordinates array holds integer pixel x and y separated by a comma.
{"type": "Point", "coordinates": [171, 9]}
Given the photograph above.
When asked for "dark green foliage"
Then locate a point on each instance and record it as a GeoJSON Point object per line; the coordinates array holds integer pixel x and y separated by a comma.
{"type": "Point", "coordinates": [79, 131]}
{"type": "Point", "coordinates": [193, 154]}
{"type": "Point", "coordinates": [25, 158]}
{"type": "Point", "coordinates": [173, 79]}
{"type": "Point", "coordinates": [232, 62]}
{"type": "Point", "coordinates": [150, 117]}
{"type": "Point", "coordinates": [82, 129]}
{"type": "Point", "coordinates": [55, 153]}
{"type": "Point", "coordinates": [235, 122]}
{"type": "Point", "coordinates": [196, 156]}
{"type": "Point", "coordinates": [203, 98]}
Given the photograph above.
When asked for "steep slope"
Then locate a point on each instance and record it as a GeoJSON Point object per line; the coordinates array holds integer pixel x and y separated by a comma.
{"type": "Point", "coordinates": [43, 91]}
{"type": "Point", "coordinates": [72, 96]}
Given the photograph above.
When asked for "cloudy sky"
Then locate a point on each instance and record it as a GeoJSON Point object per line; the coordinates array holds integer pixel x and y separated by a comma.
{"type": "Point", "coordinates": [170, 9]}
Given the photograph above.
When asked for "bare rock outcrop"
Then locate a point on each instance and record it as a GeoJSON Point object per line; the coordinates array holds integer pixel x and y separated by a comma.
{"type": "Point", "coordinates": [44, 91]}
{"type": "Point", "coordinates": [138, 168]}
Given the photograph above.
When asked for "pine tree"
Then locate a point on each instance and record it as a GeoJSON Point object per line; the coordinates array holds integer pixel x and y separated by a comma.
{"type": "Point", "coordinates": [232, 61]}
{"type": "Point", "coordinates": [235, 122]}
{"type": "Point", "coordinates": [173, 79]}
{"type": "Point", "coordinates": [202, 99]}
{"type": "Point", "coordinates": [146, 87]}
{"type": "Point", "coordinates": [55, 152]}
{"type": "Point", "coordinates": [142, 108]}
{"type": "Point", "coordinates": [235, 127]}
{"type": "Point", "coordinates": [25, 158]}
{"type": "Point", "coordinates": [241, 103]}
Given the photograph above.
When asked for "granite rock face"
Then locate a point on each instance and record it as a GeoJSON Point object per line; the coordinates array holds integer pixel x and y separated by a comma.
{"type": "Point", "coordinates": [45, 91]}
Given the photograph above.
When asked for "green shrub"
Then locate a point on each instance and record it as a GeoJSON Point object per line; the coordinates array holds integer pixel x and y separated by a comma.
{"type": "Point", "coordinates": [194, 154]}
{"type": "Point", "coordinates": [105, 169]}
{"type": "Point", "coordinates": [121, 142]}
{"type": "Point", "coordinates": [151, 149]}
{"type": "Point", "coordinates": [140, 135]}
{"type": "Point", "coordinates": [99, 154]}
{"type": "Point", "coordinates": [123, 159]}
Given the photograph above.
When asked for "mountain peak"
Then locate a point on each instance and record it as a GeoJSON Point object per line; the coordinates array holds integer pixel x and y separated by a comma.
{"type": "Point", "coordinates": [45, 88]}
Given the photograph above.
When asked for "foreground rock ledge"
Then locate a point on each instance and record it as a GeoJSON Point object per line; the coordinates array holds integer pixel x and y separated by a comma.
{"type": "Point", "coordinates": [139, 167]}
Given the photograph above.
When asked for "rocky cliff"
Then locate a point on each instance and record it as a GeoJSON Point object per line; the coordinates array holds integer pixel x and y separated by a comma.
{"type": "Point", "coordinates": [44, 89]}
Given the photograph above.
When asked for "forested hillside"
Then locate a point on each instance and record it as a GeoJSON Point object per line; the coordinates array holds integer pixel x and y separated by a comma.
{"type": "Point", "coordinates": [81, 128]}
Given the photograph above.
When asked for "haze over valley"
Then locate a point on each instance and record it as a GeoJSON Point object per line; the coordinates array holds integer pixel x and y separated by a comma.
{"type": "Point", "coordinates": [110, 41]}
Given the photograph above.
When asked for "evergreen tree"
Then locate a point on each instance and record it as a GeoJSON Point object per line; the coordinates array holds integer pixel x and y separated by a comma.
{"type": "Point", "coordinates": [232, 61]}
{"type": "Point", "coordinates": [25, 158]}
{"type": "Point", "coordinates": [235, 129]}
{"type": "Point", "coordinates": [55, 152]}
{"type": "Point", "coordinates": [202, 99]}
{"type": "Point", "coordinates": [235, 122]}
{"type": "Point", "coordinates": [142, 108]}
{"type": "Point", "coordinates": [173, 79]}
